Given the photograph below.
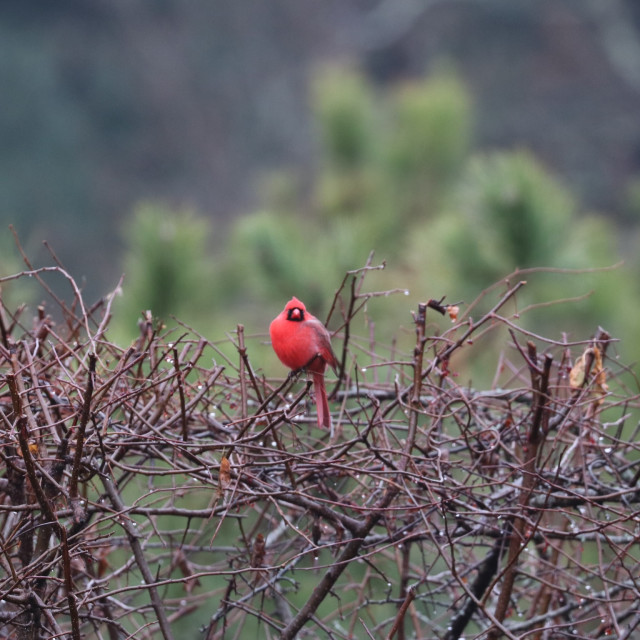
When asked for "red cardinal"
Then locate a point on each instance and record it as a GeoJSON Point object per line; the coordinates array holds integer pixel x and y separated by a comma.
{"type": "Point", "coordinates": [301, 341]}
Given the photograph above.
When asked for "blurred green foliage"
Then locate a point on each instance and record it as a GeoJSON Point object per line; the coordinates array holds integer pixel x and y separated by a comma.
{"type": "Point", "coordinates": [431, 132]}
{"type": "Point", "coordinates": [168, 268]}
{"type": "Point", "coordinates": [515, 211]}
{"type": "Point", "coordinates": [344, 107]}
{"type": "Point", "coordinates": [13, 293]}
{"type": "Point", "coordinates": [398, 175]}
{"type": "Point", "coordinates": [385, 161]}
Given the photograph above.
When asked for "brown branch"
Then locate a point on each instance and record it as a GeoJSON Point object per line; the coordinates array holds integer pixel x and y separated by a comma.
{"type": "Point", "coordinates": [398, 623]}
{"type": "Point", "coordinates": [246, 365]}
{"type": "Point", "coordinates": [25, 448]}
{"type": "Point", "coordinates": [416, 389]}
{"type": "Point", "coordinates": [180, 383]}
{"type": "Point", "coordinates": [518, 537]}
{"type": "Point", "coordinates": [428, 480]}
{"type": "Point", "coordinates": [140, 558]}
{"type": "Point", "coordinates": [349, 553]}
{"type": "Point", "coordinates": [85, 414]}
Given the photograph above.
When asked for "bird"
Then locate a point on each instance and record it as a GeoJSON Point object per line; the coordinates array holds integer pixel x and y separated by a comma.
{"type": "Point", "coordinates": [301, 341]}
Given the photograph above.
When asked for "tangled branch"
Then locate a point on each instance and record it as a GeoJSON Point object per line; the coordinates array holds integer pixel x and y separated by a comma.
{"type": "Point", "coordinates": [147, 492]}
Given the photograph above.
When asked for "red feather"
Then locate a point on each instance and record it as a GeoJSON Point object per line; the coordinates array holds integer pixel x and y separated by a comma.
{"type": "Point", "coordinates": [301, 341]}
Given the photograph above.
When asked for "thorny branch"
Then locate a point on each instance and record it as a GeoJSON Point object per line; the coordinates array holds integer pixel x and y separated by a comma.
{"type": "Point", "coordinates": [147, 492]}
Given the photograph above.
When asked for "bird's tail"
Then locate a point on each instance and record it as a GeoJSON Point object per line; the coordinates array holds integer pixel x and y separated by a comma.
{"type": "Point", "coordinates": [322, 404]}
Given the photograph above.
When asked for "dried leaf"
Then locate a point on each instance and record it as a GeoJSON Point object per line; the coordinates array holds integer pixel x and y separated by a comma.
{"type": "Point", "coordinates": [257, 555]}
{"type": "Point", "coordinates": [576, 376]}
{"type": "Point", "coordinates": [591, 359]}
{"type": "Point", "coordinates": [600, 376]}
{"type": "Point", "coordinates": [224, 475]}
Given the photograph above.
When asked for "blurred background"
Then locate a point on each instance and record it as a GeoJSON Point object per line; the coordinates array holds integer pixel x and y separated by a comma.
{"type": "Point", "coordinates": [227, 155]}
